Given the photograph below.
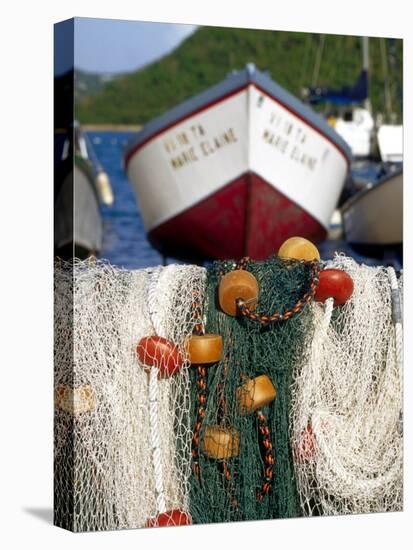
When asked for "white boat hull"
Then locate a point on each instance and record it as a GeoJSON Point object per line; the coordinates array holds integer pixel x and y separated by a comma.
{"type": "Point", "coordinates": [375, 216]}
{"type": "Point", "coordinates": [246, 151]}
{"type": "Point", "coordinates": [390, 142]}
{"type": "Point", "coordinates": [197, 157]}
{"type": "Point", "coordinates": [358, 132]}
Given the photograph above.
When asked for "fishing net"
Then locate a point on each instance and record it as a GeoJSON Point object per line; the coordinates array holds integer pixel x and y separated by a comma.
{"type": "Point", "coordinates": [117, 459]}
{"type": "Point", "coordinates": [347, 400]}
{"type": "Point", "coordinates": [258, 480]}
{"type": "Point", "coordinates": [135, 443]}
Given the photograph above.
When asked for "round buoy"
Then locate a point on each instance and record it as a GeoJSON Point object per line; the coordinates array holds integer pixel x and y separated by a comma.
{"type": "Point", "coordinates": [334, 283]}
{"type": "Point", "coordinates": [220, 443]}
{"type": "Point", "coordinates": [235, 285]}
{"type": "Point", "coordinates": [155, 351]}
{"type": "Point", "coordinates": [169, 519]}
{"type": "Point", "coordinates": [204, 349]}
{"type": "Point", "coordinates": [255, 393]}
{"type": "Point", "coordinates": [298, 248]}
{"type": "Point", "coordinates": [306, 448]}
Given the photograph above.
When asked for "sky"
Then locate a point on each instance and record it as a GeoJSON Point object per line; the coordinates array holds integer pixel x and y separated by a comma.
{"type": "Point", "coordinates": [115, 46]}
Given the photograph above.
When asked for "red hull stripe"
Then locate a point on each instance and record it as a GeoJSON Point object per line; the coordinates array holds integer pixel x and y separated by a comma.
{"type": "Point", "coordinates": [222, 98]}
{"type": "Point", "coordinates": [245, 217]}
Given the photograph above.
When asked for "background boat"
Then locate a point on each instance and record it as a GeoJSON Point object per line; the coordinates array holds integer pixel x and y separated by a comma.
{"type": "Point", "coordinates": [390, 142]}
{"type": "Point", "coordinates": [349, 109]}
{"type": "Point", "coordinates": [373, 217]}
{"type": "Point", "coordinates": [81, 185]}
{"type": "Point", "coordinates": [236, 170]}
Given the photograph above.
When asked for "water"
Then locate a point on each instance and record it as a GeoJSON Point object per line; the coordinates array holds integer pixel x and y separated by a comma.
{"type": "Point", "coordinates": [124, 238]}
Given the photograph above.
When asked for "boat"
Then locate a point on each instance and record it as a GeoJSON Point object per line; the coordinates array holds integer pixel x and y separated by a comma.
{"type": "Point", "coordinates": [236, 170]}
{"type": "Point", "coordinates": [356, 126]}
{"type": "Point", "coordinates": [389, 132]}
{"type": "Point", "coordinates": [349, 112]}
{"type": "Point", "coordinates": [81, 185]}
{"type": "Point", "coordinates": [390, 142]}
{"type": "Point", "coordinates": [373, 217]}
{"type": "Point", "coordinates": [348, 108]}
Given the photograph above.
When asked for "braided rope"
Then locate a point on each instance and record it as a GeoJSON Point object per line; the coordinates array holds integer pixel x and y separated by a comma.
{"type": "Point", "coordinates": [269, 458]}
{"type": "Point", "coordinates": [199, 329]}
{"type": "Point", "coordinates": [328, 311]}
{"type": "Point", "coordinates": [230, 484]}
{"type": "Point", "coordinates": [397, 316]}
{"type": "Point", "coordinates": [153, 302]}
{"type": "Point", "coordinates": [201, 383]}
{"type": "Point", "coordinates": [155, 440]}
{"type": "Point", "coordinates": [287, 314]}
{"type": "Point", "coordinates": [153, 397]}
{"type": "Point", "coordinates": [222, 414]}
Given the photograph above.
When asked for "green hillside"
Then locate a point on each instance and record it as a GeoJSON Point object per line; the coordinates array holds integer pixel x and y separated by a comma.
{"type": "Point", "coordinates": [88, 84]}
{"type": "Point", "coordinates": [211, 52]}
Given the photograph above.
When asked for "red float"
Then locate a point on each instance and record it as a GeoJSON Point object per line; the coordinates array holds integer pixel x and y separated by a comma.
{"type": "Point", "coordinates": [169, 519]}
{"type": "Point", "coordinates": [306, 448]}
{"type": "Point", "coordinates": [155, 351]}
{"type": "Point", "coordinates": [334, 283]}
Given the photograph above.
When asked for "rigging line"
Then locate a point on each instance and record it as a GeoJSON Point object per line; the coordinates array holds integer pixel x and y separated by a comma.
{"type": "Point", "coordinates": [318, 60]}
{"type": "Point", "coordinates": [387, 94]}
{"type": "Point", "coordinates": [303, 79]}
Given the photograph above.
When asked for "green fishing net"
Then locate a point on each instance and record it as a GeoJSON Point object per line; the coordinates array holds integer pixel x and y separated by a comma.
{"type": "Point", "coordinates": [226, 489]}
{"type": "Point", "coordinates": [337, 374]}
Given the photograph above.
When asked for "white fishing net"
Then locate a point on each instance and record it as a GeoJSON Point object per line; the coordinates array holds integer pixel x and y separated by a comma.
{"type": "Point", "coordinates": [123, 433]}
{"type": "Point", "coordinates": [346, 415]}
{"type": "Point", "coordinates": [120, 456]}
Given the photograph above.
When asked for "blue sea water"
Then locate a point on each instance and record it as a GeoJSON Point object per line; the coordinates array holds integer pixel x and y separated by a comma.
{"type": "Point", "coordinates": [124, 238]}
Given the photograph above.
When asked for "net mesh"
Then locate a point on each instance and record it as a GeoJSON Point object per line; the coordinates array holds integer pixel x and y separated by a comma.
{"type": "Point", "coordinates": [104, 463]}
{"type": "Point", "coordinates": [347, 402]}
{"type": "Point", "coordinates": [130, 444]}
{"type": "Point", "coordinates": [226, 489]}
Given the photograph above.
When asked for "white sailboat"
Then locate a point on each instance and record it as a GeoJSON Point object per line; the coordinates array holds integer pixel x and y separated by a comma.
{"type": "Point", "coordinates": [390, 142]}
{"type": "Point", "coordinates": [356, 124]}
{"type": "Point", "coordinates": [350, 111]}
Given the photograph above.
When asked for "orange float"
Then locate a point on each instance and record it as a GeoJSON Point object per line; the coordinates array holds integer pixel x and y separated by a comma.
{"type": "Point", "coordinates": [298, 248]}
{"type": "Point", "coordinates": [158, 352]}
{"type": "Point", "coordinates": [220, 442]}
{"type": "Point", "coordinates": [237, 285]}
{"type": "Point", "coordinates": [255, 393]}
{"type": "Point", "coordinates": [204, 349]}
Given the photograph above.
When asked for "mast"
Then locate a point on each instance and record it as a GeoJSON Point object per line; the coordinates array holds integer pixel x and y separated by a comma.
{"type": "Point", "coordinates": [365, 49]}
{"type": "Point", "coordinates": [387, 94]}
{"type": "Point", "coordinates": [365, 67]}
{"type": "Point", "coordinates": [318, 60]}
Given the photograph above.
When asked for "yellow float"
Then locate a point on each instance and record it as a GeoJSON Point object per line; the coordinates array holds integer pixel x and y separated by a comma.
{"type": "Point", "coordinates": [220, 442]}
{"type": "Point", "coordinates": [204, 349]}
{"type": "Point", "coordinates": [237, 285]}
{"type": "Point", "coordinates": [255, 394]}
{"type": "Point", "coordinates": [298, 248]}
